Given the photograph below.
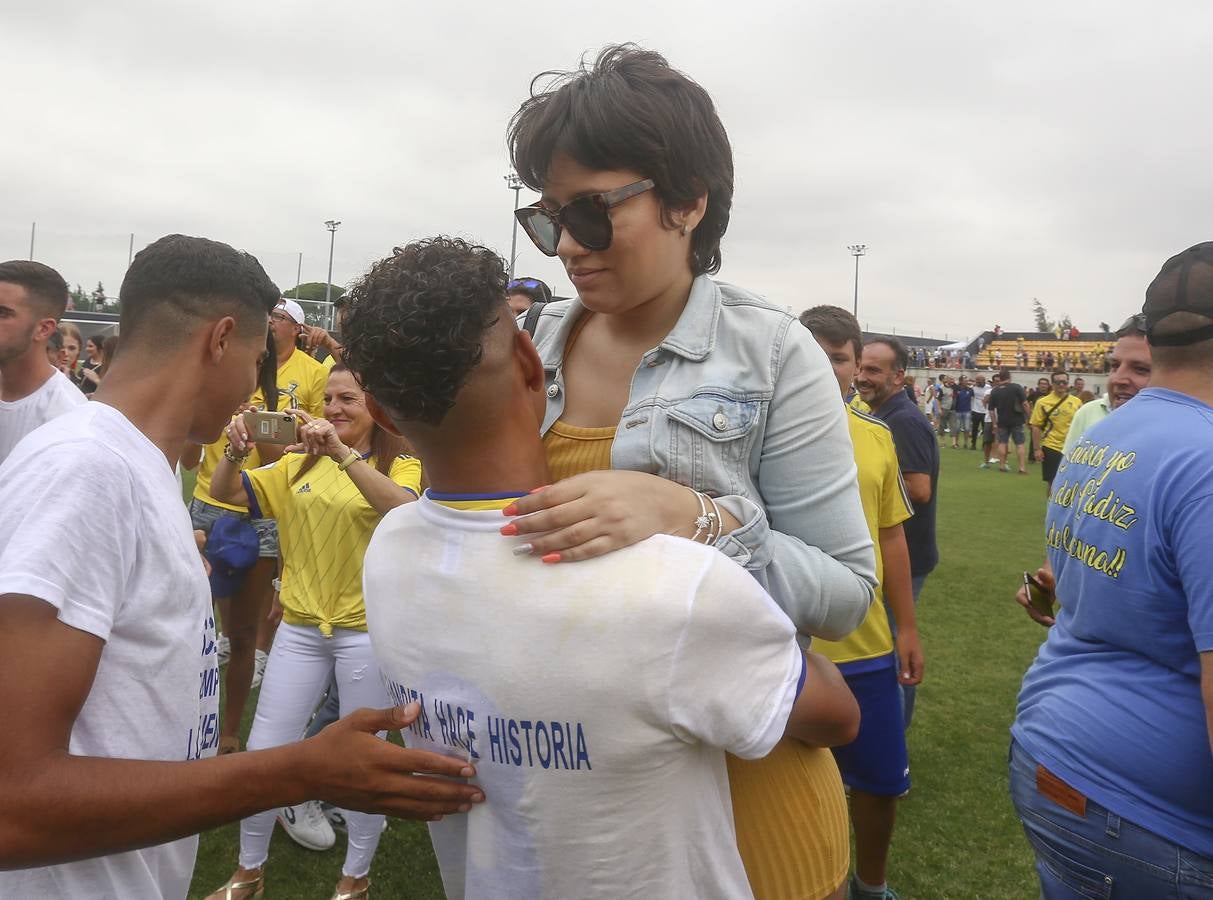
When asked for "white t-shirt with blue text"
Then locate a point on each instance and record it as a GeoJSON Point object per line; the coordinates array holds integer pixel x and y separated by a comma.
{"type": "Point", "coordinates": [135, 581]}
{"type": "Point", "coordinates": [596, 699]}
{"type": "Point", "coordinates": [1112, 705]}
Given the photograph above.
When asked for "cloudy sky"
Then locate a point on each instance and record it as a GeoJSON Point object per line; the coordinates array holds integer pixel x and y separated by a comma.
{"type": "Point", "coordinates": [986, 154]}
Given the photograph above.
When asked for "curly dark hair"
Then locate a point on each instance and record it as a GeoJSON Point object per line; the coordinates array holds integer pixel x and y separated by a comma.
{"type": "Point", "coordinates": [632, 110]}
{"type": "Point", "coordinates": [415, 323]}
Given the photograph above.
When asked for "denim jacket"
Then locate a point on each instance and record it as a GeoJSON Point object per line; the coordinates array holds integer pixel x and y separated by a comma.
{"type": "Point", "coordinates": [739, 401]}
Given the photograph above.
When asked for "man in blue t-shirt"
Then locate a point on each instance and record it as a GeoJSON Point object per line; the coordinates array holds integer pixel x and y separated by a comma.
{"type": "Point", "coordinates": [962, 406]}
{"type": "Point", "coordinates": [1111, 770]}
{"type": "Point", "coordinates": [882, 372]}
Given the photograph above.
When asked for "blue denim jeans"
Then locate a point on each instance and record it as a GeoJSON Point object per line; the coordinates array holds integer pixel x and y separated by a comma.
{"type": "Point", "coordinates": [1100, 854]}
{"type": "Point", "coordinates": [908, 691]}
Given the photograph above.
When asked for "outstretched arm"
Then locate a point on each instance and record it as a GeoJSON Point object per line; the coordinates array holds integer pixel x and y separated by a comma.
{"type": "Point", "coordinates": [46, 672]}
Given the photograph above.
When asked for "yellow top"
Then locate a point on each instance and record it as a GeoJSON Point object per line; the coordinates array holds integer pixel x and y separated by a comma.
{"type": "Point", "coordinates": [301, 384]}
{"type": "Point", "coordinates": [789, 808]}
{"type": "Point", "coordinates": [1054, 435]}
{"type": "Point", "coordinates": [324, 526]}
{"type": "Point", "coordinates": [885, 504]}
{"type": "Point", "coordinates": [572, 449]}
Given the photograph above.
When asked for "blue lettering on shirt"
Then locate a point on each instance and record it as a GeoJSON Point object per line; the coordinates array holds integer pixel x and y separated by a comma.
{"type": "Point", "coordinates": [522, 743]}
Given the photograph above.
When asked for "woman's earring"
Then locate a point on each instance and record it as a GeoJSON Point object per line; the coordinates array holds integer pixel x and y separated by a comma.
{"type": "Point", "coordinates": [684, 229]}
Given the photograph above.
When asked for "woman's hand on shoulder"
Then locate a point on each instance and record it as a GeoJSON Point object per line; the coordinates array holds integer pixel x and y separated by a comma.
{"type": "Point", "coordinates": [594, 513]}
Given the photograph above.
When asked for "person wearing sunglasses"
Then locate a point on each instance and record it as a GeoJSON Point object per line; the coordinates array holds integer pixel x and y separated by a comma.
{"type": "Point", "coordinates": [1050, 423]}
{"type": "Point", "coordinates": [522, 293]}
{"type": "Point", "coordinates": [662, 382]}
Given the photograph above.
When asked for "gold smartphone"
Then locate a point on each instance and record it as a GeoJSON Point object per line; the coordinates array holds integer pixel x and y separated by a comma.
{"type": "Point", "coordinates": [270, 427]}
{"type": "Point", "coordinates": [1040, 599]}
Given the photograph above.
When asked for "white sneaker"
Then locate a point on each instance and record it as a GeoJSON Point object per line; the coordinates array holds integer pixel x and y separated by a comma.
{"type": "Point", "coordinates": [992, 460]}
{"type": "Point", "coordinates": [336, 817]}
{"type": "Point", "coordinates": [225, 649]}
{"type": "Point", "coordinates": [307, 826]}
{"type": "Point", "coordinates": [260, 658]}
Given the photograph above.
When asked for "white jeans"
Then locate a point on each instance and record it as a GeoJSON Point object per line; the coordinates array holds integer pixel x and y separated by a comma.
{"type": "Point", "coordinates": [301, 662]}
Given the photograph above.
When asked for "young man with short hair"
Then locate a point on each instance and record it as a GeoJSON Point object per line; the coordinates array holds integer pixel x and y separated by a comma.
{"type": "Point", "coordinates": [598, 697]}
{"type": "Point", "coordinates": [876, 765]}
{"type": "Point", "coordinates": [108, 675]}
{"type": "Point", "coordinates": [33, 391]}
{"type": "Point", "coordinates": [980, 419]}
{"type": "Point", "coordinates": [1009, 407]}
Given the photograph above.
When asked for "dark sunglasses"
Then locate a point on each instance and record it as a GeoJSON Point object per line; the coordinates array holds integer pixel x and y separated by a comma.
{"type": "Point", "coordinates": [587, 219]}
{"type": "Point", "coordinates": [529, 283]}
{"type": "Point", "coordinates": [1135, 324]}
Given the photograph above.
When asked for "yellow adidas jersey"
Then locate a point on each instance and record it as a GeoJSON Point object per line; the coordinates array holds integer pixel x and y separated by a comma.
{"type": "Point", "coordinates": [885, 504]}
{"type": "Point", "coordinates": [324, 526]}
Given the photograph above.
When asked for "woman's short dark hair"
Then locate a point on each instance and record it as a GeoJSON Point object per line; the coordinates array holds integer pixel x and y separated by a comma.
{"type": "Point", "coordinates": [631, 110]}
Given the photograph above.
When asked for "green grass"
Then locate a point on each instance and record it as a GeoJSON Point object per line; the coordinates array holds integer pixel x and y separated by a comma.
{"type": "Point", "coordinates": [957, 836]}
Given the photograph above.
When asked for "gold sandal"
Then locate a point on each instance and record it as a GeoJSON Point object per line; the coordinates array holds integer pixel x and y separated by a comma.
{"type": "Point", "coordinates": [361, 894]}
{"type": "Point", "coordinates": [257, 885]}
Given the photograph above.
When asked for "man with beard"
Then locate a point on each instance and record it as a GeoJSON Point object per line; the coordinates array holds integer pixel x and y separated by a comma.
{"type": "Point", "coordinates": [882, 372]}
{"type": "Point", "coordinates": [33, 298]}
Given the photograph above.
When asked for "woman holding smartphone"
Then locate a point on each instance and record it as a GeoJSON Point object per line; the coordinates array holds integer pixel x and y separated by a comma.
{"type": "Point", "coordinates": [679, 405]}
{"type": "Point", "coordinates": [327, 500]}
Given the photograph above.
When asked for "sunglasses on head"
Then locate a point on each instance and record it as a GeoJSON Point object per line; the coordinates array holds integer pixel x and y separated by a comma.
{"type": "Point", "coordinates": [587, 219]}
{"type": "Point", "coordinates": [1135, 324]}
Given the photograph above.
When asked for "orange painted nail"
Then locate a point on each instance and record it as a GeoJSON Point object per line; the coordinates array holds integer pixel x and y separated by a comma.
{"type": "Point", "coordinates": [509, 530]}
{"type": "Point", "coordinates": [551, 558]}
{"type": "Point", "coordinates": [511, 510]}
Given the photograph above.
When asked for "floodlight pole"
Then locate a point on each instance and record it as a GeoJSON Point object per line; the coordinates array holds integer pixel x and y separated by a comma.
{"type": "Point", "coordinates": [514, 183]}
{"type": "Point", "coordinates": [331, 225]}
{"type": "Point", "coordinates": [857, 250]}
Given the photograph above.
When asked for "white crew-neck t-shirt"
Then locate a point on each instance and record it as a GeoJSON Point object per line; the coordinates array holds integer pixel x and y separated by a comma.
{"type": "Point", "coordinates": [137, 583]}
{"type": "Point", "coordinates": [18, 418]}
{"type": "Point", "coordinates": [596, 699]}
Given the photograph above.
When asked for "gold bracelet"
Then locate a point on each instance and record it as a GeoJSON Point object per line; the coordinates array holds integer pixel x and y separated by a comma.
{"type": "Point", "coordinates": [349, 460]}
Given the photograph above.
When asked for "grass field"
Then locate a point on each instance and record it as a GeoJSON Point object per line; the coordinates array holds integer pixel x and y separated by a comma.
{"type": "Point", "coordinates": [957, 836]}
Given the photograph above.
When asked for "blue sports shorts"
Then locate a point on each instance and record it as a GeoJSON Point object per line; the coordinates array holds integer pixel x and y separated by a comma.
{"type": "Point", "coordinates": [876, 762]}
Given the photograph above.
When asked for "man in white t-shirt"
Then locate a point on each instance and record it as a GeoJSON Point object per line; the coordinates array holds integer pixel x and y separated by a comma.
{"type": "Point", "coordinates": [981, 424]}
{"type": "Point", "coordinates": [108, 676]}
{"type": "Point", "coordinates": [33, 298]}
{"type": "Point", "coordinates": [597, 698]}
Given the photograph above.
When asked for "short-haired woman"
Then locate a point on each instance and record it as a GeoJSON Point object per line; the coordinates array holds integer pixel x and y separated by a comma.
{"type": "Point", "coordinates": [710, 412]}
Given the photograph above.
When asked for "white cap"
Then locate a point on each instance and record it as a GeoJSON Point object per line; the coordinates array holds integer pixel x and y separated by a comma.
{"type": "Point", "coordinates": [292, 309]}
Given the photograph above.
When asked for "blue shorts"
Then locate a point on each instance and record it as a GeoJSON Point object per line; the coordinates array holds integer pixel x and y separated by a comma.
{"type": "Point", "coordinates": [876, 762]}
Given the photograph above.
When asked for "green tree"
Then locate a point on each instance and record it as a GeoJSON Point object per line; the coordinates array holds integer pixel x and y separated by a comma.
{"type": "Point", "coordinates": [313, 290]}
{"type": "Point", "coordinates": [1105, 328]}
{"type": "Point", "coordinates": [80, 300]}
{"type": "Point", "coordinates": [99, 297]}
{"type": "Point", "coordinates": [1043, 322]}
{"type": "Point", "coordinates": [1066, 323]}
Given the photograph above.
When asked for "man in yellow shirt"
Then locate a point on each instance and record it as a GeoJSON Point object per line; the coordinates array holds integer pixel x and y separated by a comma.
{"type": "Point", "coordinates": [301, 379]}
{"type": "Point", "coordinates": [875, 765]}
{"type": "Point", "coordinates": [1051, 417]}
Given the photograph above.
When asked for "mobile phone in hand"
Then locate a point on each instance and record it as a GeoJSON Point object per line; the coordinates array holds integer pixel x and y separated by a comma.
{"type": "Point", "coordinates": [1039, 597]}
{"type": "Point", "coordinates": [270, 427]}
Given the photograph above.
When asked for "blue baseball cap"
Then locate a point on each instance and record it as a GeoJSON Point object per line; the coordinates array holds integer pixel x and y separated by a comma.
{"type": "Point", "coordinates": [232, 549]}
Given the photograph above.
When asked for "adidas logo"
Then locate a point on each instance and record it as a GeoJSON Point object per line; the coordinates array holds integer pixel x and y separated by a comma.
{"type": "Point", "coordinates": [306, 489]}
